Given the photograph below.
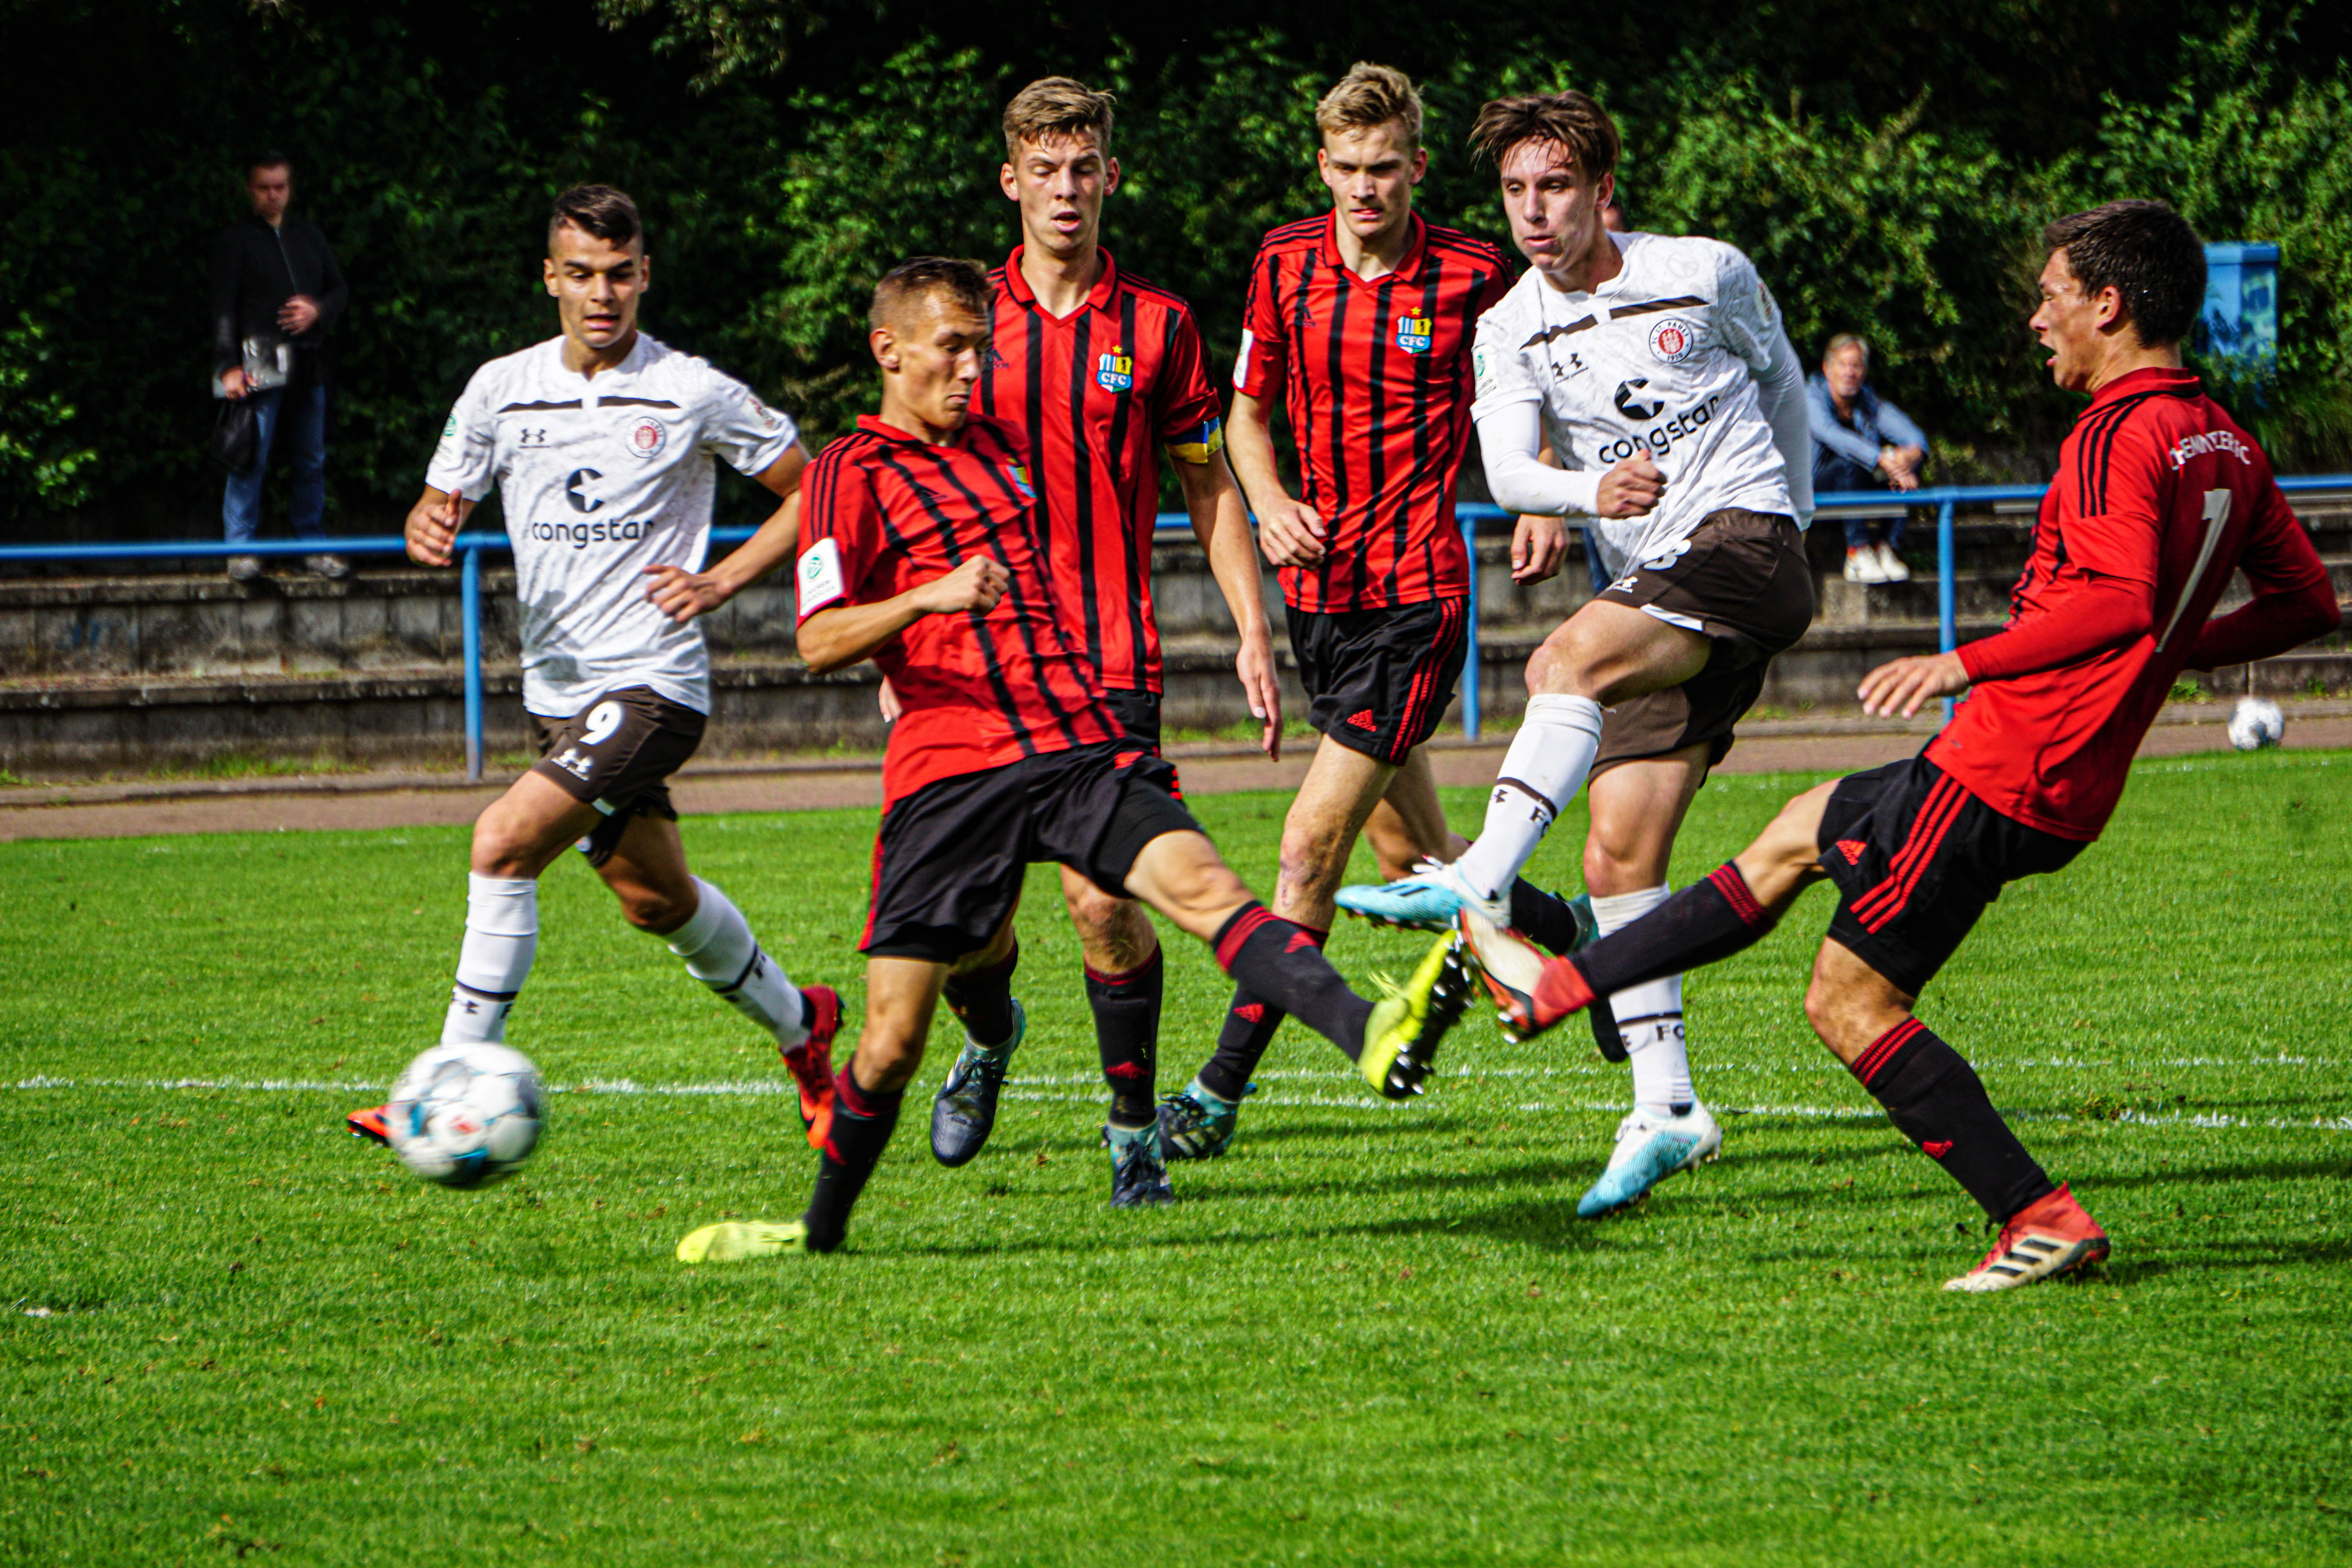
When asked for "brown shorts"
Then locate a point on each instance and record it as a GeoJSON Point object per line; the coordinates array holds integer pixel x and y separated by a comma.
{"type": "Point", "coordinates": [1742, 582]}
{"type": "Point", "coordinates": [616, 754]}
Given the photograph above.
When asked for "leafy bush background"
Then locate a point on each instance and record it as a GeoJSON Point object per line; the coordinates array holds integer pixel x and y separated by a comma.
{"type": "Point", "coordinates": [1889, 166]}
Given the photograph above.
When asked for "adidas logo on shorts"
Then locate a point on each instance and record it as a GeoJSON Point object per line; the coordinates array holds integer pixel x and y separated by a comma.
{"type": "Point", "coordinates": [1852, 850]}
{"type": "Point", "coordinates": [1364, 720]}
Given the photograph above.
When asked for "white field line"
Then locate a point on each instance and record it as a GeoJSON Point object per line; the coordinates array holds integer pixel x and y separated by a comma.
{"type": "Point", "coordinates": [770, 1087]}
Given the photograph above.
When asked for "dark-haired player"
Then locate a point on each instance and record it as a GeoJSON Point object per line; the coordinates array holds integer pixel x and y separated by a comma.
{"type": "Point", "coordinates": [1657, 369]}
{"type": "Point", "coordinates": [601, 441]}
{"type": "Point", "coordinates": [2159, 497]}
{"type": "Point", "coordinates": [1359, 324]}
{"type": "Point", "coordinates": [1098, 370]}
{"type": "Point", "coordinates": [923, 550]}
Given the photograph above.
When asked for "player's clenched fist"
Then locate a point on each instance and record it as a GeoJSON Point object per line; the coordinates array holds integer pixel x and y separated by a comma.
{"type": "Point", "coordinates": [975, 584]}
{"type": "Point", "coordinates": [432, 527]}
{"type": "Point", "coordinates": [1291, 533]}
{"type": "Point", "coordinates": [1631, 487]}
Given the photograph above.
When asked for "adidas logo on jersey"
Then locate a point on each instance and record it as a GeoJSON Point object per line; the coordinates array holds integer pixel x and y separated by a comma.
{"type": "Point", "coordinates": [1364, 720]}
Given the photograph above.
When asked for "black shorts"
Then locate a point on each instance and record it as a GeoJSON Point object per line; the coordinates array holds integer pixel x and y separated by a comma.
{"type": "Point", "coordinates": [616, 754]}
{"type": "Point", "coordinates": [1378, 680]}
{"type": "Point", "coordinates": [1138, 713]}
{"type": "Point", "coordinates": [949, 860]}
{"type": "Point", "coordinates": [1742, 582]}
{"type": "Point", "coordinates": [1916, 858]}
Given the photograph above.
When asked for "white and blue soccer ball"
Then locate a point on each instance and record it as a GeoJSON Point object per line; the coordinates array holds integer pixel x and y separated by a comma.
{"type": "Point", "coordinates": [462, 1115]}
{"type": "Point", "coordinates": [2257, 724]}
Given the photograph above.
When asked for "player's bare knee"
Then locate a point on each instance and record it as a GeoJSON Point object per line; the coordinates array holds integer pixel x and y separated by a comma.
{"type": "Point", "coordinates": [888, 1055]}
{"type": "Point", "coordinates": [653, 909]}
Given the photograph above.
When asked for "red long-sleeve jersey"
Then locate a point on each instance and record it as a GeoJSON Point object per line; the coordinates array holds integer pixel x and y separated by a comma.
{"type": "Point", "coordinates": [2159, 497]}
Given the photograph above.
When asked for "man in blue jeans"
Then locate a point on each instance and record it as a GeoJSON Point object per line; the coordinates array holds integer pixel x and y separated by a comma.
{"type": "Point", "coordinates": [1860, 442]}
{"type": "Point", "coordinates": [276, 293]}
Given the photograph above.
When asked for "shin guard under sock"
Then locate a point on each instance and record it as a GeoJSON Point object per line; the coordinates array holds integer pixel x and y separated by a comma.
{"type": "Point", "coordinates": [1705, 922]}
{"type": "Point", "coordinates": [1272, 957]}
{"type": "Point", "coordinates": [1936, 1100]}
{"type": "Point", "coordinates": [1127, 1035]}
{"type": "Point", "coordinates": [720, 952]}
{"type": "Point", "coordinates": [1549, 757]}
{"type": "Point", "coordinates": [1249, 1028]}
{"type": "Point", "coordinates": [501, 936]}
{"type": "Point", "coordinates": [862, 1120]}
{"type": "Point", "coordinates": [984, 1000]}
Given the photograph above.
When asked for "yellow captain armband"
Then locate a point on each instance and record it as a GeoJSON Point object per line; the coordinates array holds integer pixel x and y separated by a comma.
{"type": "Point", "coordinates": [1202, 445]}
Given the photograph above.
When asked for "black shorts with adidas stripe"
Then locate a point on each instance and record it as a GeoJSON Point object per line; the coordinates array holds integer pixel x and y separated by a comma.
{"type": "Point", "coordinates": [1916, 858]}
{"type": "Point", "coordinates": [1378, 680]}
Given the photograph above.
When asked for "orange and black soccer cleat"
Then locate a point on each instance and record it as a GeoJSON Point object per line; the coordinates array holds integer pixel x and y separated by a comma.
{"type": "Point", "coordinates": [370, 1124]}
{"type": "Point", "coordinates": [2049, 1236]}
{"type": "Point", "coordinates": [811, 1062]}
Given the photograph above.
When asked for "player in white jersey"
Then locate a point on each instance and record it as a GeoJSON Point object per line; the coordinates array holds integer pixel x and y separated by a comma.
{"type": "Point", "coordinates": [601, 443]}
{"type": "Point", "coordinates": [1674, 405]}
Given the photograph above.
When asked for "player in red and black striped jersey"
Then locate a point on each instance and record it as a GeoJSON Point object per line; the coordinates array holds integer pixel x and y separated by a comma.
{"type": "Point", "coordinates": [921, 548]}
{"type": "Point", "coordinates": [2159, 498]}
{"type": "Point", "coordinates": [1358, 323]}
{"type": "Point", "coordinates": [1098, 370]}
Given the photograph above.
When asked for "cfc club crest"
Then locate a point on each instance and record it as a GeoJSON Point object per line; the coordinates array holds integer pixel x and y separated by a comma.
{"type": "Point", "coordinates": [1673, 339]}
{"type": "Point", "coordinates": [1115, 371]}
{"type": "Point", "coordinates": [648, 436]}
{"type": "Point", "coordinates": [1020, 476]}
{"type": "Point", "coordinates": [1414, 333]}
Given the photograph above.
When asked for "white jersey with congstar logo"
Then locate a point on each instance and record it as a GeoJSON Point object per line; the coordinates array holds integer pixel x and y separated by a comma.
{"type": "Point", "coordinates": [1675, 356]}
{"type": "Point", "coordinates": [601, 478]}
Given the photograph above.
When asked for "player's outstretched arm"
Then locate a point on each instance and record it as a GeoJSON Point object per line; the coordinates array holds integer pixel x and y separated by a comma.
{"type": "Point", "coordinates": [682, 595]}
{"type": "Point", "coordinates": [433, 525]}
{"type": "Point", "coordinates": [1221, 522]}
{"type": "Point", "coordinates": [839, 637]}
{"type": "Point", "coordinates": [1289, 531]}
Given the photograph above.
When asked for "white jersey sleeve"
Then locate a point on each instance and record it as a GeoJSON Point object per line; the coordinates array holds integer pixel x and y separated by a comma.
{"type": "Point", "coordinates": [1744, 311]}
{"type": "Point", "coordinates": [465, 463]}
{"type": "Point", "coordinates": [740, 429]}
{"type": "Point", "coordinates": [1499, 359]}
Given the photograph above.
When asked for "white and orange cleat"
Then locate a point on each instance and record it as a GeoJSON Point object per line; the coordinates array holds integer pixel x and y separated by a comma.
{"type": "Point", "coordinates": [2048, 1237]}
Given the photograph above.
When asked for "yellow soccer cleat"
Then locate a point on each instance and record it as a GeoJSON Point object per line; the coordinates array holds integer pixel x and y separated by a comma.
{"type": "Point", "coordinates": [735, 1240]}
{"type": "Point", "coordinates": [1401, 1037]}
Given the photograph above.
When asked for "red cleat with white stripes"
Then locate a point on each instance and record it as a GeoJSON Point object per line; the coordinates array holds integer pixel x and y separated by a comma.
{"type": "Point", "coordinates": [2049, 1237]}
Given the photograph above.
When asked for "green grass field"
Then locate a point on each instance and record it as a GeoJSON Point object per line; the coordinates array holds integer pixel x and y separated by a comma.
{"type": "Point", "coordinates": [1371, 1334]}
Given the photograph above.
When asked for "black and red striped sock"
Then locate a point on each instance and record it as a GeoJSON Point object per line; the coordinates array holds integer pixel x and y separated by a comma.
{"type": "Point", "coordinates": [1282, 962]}
{"type": "Point", "coordinates": [862, 1120]}
{"type": "Point", "coordinates": [1707, 922]}
{"type": "Point", "coordinates": [983, 999]}
{"type": "Point", "coordinates": [1127, 1034]}
{"type": "Point", "coordinates": [1249, 1028]}
{"type": "Point", "coordinates": [1936, 1100]}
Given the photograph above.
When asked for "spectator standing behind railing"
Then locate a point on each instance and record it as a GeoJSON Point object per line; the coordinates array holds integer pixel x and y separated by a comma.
{"type": "Point", "coordinates": [1860, 442]}
{"type": "Point", "coordinates": [276, 293]}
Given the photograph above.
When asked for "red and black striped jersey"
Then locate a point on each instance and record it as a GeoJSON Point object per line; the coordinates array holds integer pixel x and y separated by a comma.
{"type": "Point", "coordinates": [884, 513]}
{"type": "Point", "coordinates": [2159, 498]}
{"type": "Point", "coordinates": [1376, 378]}
{"type": "Point", "coordinates": [1095, 394]}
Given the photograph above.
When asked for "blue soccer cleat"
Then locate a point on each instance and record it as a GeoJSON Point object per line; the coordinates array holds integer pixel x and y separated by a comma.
{"type": "Point", "coordinates": [1195, 1124]}
{"type": "Point", "coordinates": [1432, 898]}
{"type": "Point", "coordinates": [965, 1111]}
{"type": "Point", "coordinates": [1138, 1178]}
{"type": "Point", "coordinates": [1650, 1148]}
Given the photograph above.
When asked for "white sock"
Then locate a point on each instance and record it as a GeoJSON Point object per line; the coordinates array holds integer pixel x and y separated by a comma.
{"type": "Point", "coordinates": [719, 951]}
{"type": "Point", "coordinates": [502, 935]}
{"type": "Point", "coordinates": [1649, 1016]}
{"type": "Point", "coordinates": [1545, 767]}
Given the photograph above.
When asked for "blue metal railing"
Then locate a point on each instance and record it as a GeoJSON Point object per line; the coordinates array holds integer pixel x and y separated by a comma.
{"type": "Point", "coordinates": [469, 549]}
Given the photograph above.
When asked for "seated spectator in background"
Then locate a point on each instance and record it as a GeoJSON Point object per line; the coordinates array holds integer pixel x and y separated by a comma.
{"type": "Point", "coordinates": [276, 293]}
{"type": "Point", "coordinates": [1859, 436]}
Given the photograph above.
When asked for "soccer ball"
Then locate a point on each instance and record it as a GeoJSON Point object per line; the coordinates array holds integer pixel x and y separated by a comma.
{"type": "Point", "coordinates": [462, 1115]}
{"type": "Point", "coordinates": [2257, 723]}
